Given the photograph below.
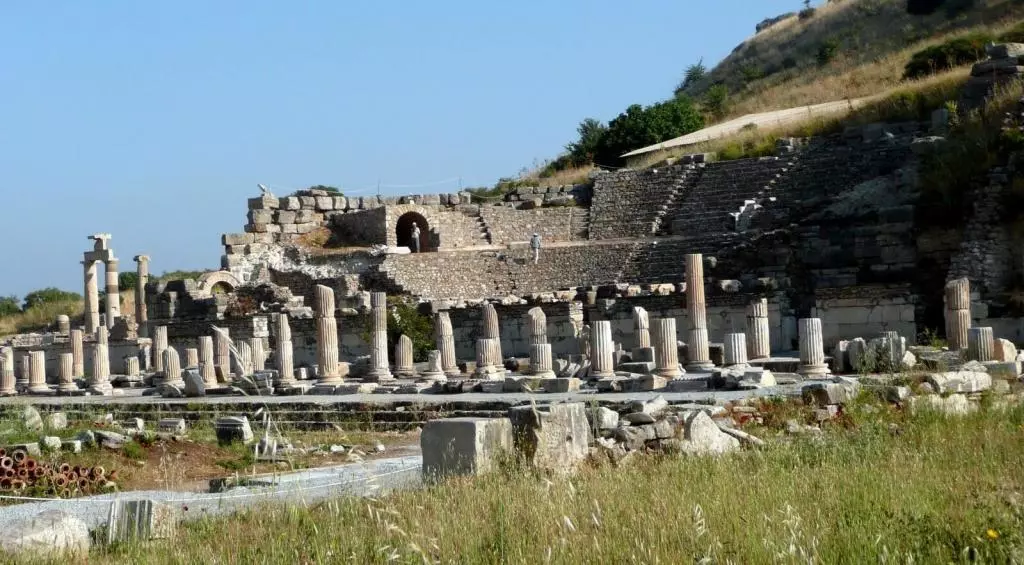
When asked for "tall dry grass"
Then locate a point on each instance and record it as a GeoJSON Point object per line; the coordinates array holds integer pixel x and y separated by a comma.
{"type": "Point", "coordinates": [884, 487]}
{"type": "Point", "coordinates": [39, 317]}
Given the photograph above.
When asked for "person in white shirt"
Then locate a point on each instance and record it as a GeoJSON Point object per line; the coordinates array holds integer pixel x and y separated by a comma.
{"type": "Point", "coordinates": [535, 246]}
{"type": "Point", "coordinates": [415, 238]}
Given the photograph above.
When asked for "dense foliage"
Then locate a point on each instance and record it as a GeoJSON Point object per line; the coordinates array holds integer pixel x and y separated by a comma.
{"type": "Point", "coordinates": [9, 305]}
{"type": "Point", "coordinates": [48, 296]}
{"type": "Point", "coordinates": [640, 126]}
{"type": "Point", "coordinates": [944, 56]}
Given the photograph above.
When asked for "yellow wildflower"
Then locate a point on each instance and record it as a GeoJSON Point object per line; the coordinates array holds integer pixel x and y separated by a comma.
{"type": "Point", "coordinates": [992, 534]}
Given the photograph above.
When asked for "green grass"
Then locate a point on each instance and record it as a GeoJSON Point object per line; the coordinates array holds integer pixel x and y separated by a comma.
{"type": "Point", "coordinates": [937, 491]}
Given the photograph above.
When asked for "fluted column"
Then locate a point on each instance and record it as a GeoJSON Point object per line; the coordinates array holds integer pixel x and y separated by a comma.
{"type": "Point", "coordinates": [380, 369]}
{"type": "Point", "coordinates": [7, 379]}
{"type": "Point", "coordinates": [491, 328]}
{"type": "Point", "coordinates": [285, 352]}
{"type": "Point", "coordinates": [958, 313]}
{"type": "Point", "coordinates": [37, 372]}
{"type": "Point", "coordinates": [735, 349]}
{"type": "Point", "coordinates": [141, 311]}
{"type": "Point", "coordinates": [100, 380]}
{"type": "Point", "coordinates": [759, 344]}
{"type": "Point", "coordinates": [404, 366]}
{"type": "Point", "coordinates": [92, 295]}
{"type": "Point", "coordinates": [666, 350]}
{"type": "Point", "coordinates": [641, 327]}
{"type": "Point", "coordinates": [697, 334]}
{"type": "Point", "coordinates": [259, 354]}
{"type": "Point", "coordinates": [445, 339]}
{"type": "Point", "coordinates": [981, 345]}
{"type": "Point", "coordinates": [78, 353]}
{"type": "Point", "coordinates": [602, 364]}
{"type": "Point", "coordinates": [207, 369]}
{"type": "Point", "coordinates": [24, 370]}
{"type": "Point", "coordinates": [191, 358]}
{"type": "Point", "coordinates": [172, 368]}
{"type": "Point", "coordinates": [131, 367]}
{"type": "Point", "coordinates": [63, 324]}
{"type": "Point", "coordinates": [326, 337]}
{"type": "Point", "coordinates": [243, 357]}
{"type": "Point", "coordinates": [159, 345]}
{"type": "Point", "coordinates": [222, 352]}
{"type": "Point", "coordinates": [434, 372]}
{"type": "Point", "coordinates": [488, 359]}
{"type": "Point", "coordinates": [113, 292]}
{"type": "Point", "coordinates": [812, 348]}
{"type": "Point", "coordinates": [538, 321]}
{"type": "Point", "coordinates": [66, 374]}
{"type": "Point", "coordinates": [540, 361]}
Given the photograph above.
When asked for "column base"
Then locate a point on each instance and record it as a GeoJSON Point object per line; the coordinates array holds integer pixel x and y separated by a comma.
{"type": "Point", "coordinates": [405, 373]}
{"type": "Point", "coordinates": [545, 375]}
{"type": "Point", "coordinates": [670, 373]}
{"type": "Point", "coordinates": [700, 366]}
{"type": "Point", "coordinates": [106, 389]}
{"type": "Point", "coordinates": [69, 388]}
{"type": "Point", "coordinates": [39, 389]}
{"type": "Point", "coordinates": [378, 375]}
{"type": "Point", "coordinates": [6, 393]}
{"type": "Point", "coordinates": [601, 375]}
{"type": "Point", "coordinates": [438, 377]}
{"type": "Point", "coordinates": [489, 373]}
{"type": "Point", "coordinates": [453, 373]}
{"type": "Point", "coordinates": [813, 371]}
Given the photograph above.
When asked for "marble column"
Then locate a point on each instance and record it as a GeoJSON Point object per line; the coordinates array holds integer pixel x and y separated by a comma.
{"type": "Point", "coordinates": [602, 363]}
{"type": "Point", "coordinates": [735, 349]}
{"type": "Point", "coordinates": [7, 379]}
{"type": "Point", "coordinates": [538, 322]}
{"type": "Point", "coordinates": [812, 348]}
{"type": "Point", "coordinates": [37, 372]}
{"type": "Point", "coordinates": [434, 372]}
{"type": "Point", "coordinates": [92, 295]}
{"type": "Point", "coordinates": [759, 344]}
{"type": "Point", "coordinates": [99, 382]}
{"type": "Point", "coordinates": [491, 328]}
{"type": "Point", "coordinates": [259, 354]}
{"type": "Point", "coordinates": [488, 359]}
{"type": "Point", "coordinates": [172, 368]}
{"type": "Point", "coordinates": [141, 310]}
{"type": "Point", "coordinates": [131, 367]}
{"type": "Point", "coordinates": [326, 337]}
{"type": "Point", "coordinates": [285, 352]}
{"type": "Point", "coordinates": [540, 361]}
{"type": "Point", "coordinates": [191, 358]}
{"type": "Point", "coordinates": [641, 327]}
{"type": "Point", "coordinates": [666, 348]}
{"type": "Point", "coordinates": [78, 353]}
{"type": "Point", "coordinates": [981, 345]}
{"type": "Point", "coordinates": [380, 369]}
{"type": "Point", "coordinates": [113, 298]}
{"type": "Point", "coordinates": [697, 334]}
{"type": "Point", "coordinates": [207, 366]}
{"type": "Point", "coordinates": [445, 339]}
{"type": "Point", "coordinates": [404, 366]}
{"type": "Point", "coordinates": [958, 313]}
{"type": "Point", "coordinates": [24, 370]}
{"type": "Point", "coordinates": [243, 358]}
{"type": "Point", "coordinates": [66, 374]}
{"type": "Point", "coordinates": [222, 353]}
{"type": "Point", "coordinates": [63, 324]}
{"type": "Point", "coordinates": [159, 345]}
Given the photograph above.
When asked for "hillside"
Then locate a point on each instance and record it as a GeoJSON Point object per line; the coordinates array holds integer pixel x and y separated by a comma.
{"type": "Point", "coordinates": [844, 49]}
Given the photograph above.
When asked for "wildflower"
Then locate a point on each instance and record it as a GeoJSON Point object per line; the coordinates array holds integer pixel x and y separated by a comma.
{"type": "Point", "coordinates": [992, 534]}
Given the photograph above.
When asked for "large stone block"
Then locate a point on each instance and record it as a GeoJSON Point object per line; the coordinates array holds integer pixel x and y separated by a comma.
{"type": "Point", "coordinates": [48, 534]}
{"type": "Point", "coordinates": [464, 446]}
{"type": "Point", "coordinates": [140, 520]}
{"type": "Point", "coordinates": [960, 381]}
{"type": "Point", "coordinates": [554, 438]}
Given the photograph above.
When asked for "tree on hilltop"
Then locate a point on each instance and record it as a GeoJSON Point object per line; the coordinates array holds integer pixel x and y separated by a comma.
{"type": "Point", "coordinates": [581, 151]}
{"type": "Point", "coordinates": [693, 74]}
{"type": "Point", "coordinates": [49, 295]}
{"type": "Point", "coordinates": [639, 126]}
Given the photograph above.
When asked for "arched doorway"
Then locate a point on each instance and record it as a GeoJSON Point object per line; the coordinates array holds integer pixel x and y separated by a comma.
{"type": "Point", "coordinates": [403, 230]}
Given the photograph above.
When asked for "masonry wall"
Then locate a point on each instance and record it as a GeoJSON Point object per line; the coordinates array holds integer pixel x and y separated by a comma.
{"type": "Point", "coordinates": [508, 225]}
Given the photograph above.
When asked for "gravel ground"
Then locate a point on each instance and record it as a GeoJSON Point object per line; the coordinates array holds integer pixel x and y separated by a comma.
{"type": "Point", "coordinates": [359, 479]}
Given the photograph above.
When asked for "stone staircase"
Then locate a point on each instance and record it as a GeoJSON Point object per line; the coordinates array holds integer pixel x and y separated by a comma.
{"type": "Point", "coordinates": [483, 230]}
{"type": "Point", "coordinates": [673, 207]}
{"type": "Point", "coordinates": [629, 203]}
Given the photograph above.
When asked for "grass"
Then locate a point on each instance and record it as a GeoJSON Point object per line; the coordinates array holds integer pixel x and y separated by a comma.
{"type": "Point", "coordinates": [39, 317]}
{"type": "Point", "coordinates": [881, 486]}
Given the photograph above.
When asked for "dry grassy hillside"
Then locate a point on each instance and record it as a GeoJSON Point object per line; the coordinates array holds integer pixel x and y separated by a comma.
{"type": "Point", "coordinates": [846, 49]}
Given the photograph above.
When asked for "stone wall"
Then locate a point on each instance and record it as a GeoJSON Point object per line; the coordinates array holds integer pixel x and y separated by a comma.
{"type": "Point", "coordinates": [362, 228]}
{"type": "Point", "coordinates": [509, 225]}
{"type": "Point", "coordinates": [626, 203]}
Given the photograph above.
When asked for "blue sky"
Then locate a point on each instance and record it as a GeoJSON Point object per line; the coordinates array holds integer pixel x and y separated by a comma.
{"type": "Point", "coordinates": [154, 121]}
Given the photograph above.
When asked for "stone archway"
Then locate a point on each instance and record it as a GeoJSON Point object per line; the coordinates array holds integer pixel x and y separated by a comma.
{"type": "Point", "coordinates": [218, 282]}
{"type": "Point", "coordinates": [403, 230]}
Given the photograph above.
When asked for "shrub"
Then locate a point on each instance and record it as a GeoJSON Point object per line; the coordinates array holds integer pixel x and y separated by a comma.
{"type": "Point", "coordinates": [716, 101]}
{"type": "Point", "coordinates": [953, 53]}
{"type": "Point", "coordinates": [692, 75]}
{"type": "Point", "coordinates": [640, 126]}
{"type": "Point", "coordinates": [581, 152]}
{"type": "Point", "coordinates": [807, 13]}
{"type": "Point", "coordinates": [828, 51]}
{"type": "Point", "coordinates": [330, 189]}
{"type": "Point", "coordinates": [1013, 35]}
{"type": "Point", "coordinates": [48, 296]}
{"type": "Point", "coordinates": [127, 281]}
{"type": "Point", "coordinates": [9, 305]}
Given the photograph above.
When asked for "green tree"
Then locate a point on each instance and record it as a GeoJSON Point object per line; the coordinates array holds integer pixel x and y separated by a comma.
{"type": "Point", "coordinates": [330, 189]}
{"type": "Point", "coordinates": [716, 101]}
{"type": "Point", "coordinates": [127, 281]}
{"type": "Point", "coordinates": [581, 151]}
{"type": "Point", "coordinates": [693, 74]}
{"type": "Point", "coordinates": [49, 295]}
{"type": "Point", "coordinates": [9, 305]}
{"type": "Point", "coordinates": [639, 126]}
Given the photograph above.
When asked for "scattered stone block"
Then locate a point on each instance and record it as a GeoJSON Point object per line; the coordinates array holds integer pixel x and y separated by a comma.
{"type": "Point", "coordinates": [703, 437]}
{"type": "Point", "coordinates": [555, 438]}
{"type": "Point", "coordinates": [31, 448]}
{"type": "Point", "coordinates": [825, 393]}
{"type": "Point", "coordinates": [1006, 371]}
{"type": "Point", "coordinates": [171, 425]}
{"type": "Point", "coordinates": [960, 382]}
{"type": "Point", "coordinates": [140, 520]}
{"type": "Point", "coordinates": [48, 534]}
{"type": "Point", "coordinates": [561, 385]}
{"type": "Point", "coordinates": [639, 418]}
{"type": "Point", "coordinates": [50, 443]}
{"type": "Point", "coordinates": [194, 384]}
{"type": "Point", "coordinates": [603, 418]}
{"type": "Point", "coordinates": [110, 440]}
{"type": "Point", "coordinates": [464, 446]}
{"type": "Point", "coordinates": [648, 383]}
{"type": "Point", "coordinates": [654, 407]}
{"type": "Point", "coordinates": [56, 421]}
{"type": "Point", "coordinates": [952, 405]}
{"type": "Point", "coordinates": [71, 446]}
{"type": "Point", "coordinates": [233, 428]}
{"type": "Point", "coordinates": [31, 419]}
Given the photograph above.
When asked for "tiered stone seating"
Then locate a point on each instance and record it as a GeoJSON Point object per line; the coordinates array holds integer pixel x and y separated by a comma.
{"type": "Point", "coordinates": [626, 203]}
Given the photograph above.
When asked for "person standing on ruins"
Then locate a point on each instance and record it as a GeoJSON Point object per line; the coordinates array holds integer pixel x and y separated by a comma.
{"type": "Point", "coordinates": [415, 237]}
{"type": "Point", "coordinates": [535, 246]}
